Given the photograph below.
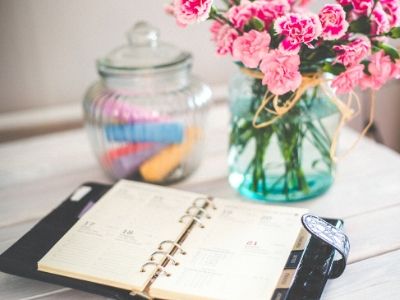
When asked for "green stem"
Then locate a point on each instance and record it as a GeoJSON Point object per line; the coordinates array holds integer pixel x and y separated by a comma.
{"type": "Point", "coordinates": [217, 16]}
{"type": "Point", "coordinates": [298, 125]}
{"type": "Point", "coordinates": [262, 138]}
{"type": "Point", "coordinates": [373, 8]}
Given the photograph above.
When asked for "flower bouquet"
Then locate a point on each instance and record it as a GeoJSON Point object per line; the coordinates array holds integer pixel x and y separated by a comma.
{"type": "Point", "coordinates": [286, 114]}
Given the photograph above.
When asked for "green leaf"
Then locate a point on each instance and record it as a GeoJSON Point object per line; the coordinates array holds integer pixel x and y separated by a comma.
{"type": "Point", "coordinates": [394, 33]}
{"type": "Point", "coordinates": [366, 64]}
{"type": "Point", "coordinates": [254, 23]}
{"type": "Point", "coordinates": [361, 25]}
{"type": "Point", "coordinates": [213, 13]}
{"type": "Point", "coordinates": [389, 50]}
{"type": "Point", "coordinates": [348, 8]}
{"type": "Point", "coordinates": [335, 69]}
{"type": "Point", "coordinates": [257, 24]}
{"type": "Point", "coordinates": [375, 49]}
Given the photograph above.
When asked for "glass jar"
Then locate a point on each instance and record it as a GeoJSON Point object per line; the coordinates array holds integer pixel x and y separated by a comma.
{"type": "Point", "coordinates": [288, 160]}
{"type": "Point", "coordinates": [146, 115]}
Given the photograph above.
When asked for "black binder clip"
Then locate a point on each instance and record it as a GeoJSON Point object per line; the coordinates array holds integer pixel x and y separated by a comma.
{"type": "Point", "coordinates": [331, 235]}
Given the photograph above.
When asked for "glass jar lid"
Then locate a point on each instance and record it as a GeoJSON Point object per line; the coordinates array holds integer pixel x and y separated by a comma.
{"type": "Point", "coordinates": [144, 52]}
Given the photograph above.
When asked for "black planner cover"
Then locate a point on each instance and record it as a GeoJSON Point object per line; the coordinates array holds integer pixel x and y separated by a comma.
{"type": "Point", "coordinates": [22, 257]}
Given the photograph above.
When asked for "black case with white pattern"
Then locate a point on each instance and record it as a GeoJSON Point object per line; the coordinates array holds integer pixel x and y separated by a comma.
{"type": "Point", "coordinates": [22, 257]}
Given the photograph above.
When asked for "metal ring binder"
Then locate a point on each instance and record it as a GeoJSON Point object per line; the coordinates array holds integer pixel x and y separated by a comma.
{"type": "Point", "coordinates": [158, 266]}
{"type": "Point", "coordinates": [197, 220]}
{"type": "Point", "coordinates": [198, 209]}
{"type": "Point", "coordinates": [206, 200]}
{"type": "Point", "coordinates": [143, 268]}
{"type": "Point", "coordinates": [160, 247]}
{"type": "Point", "coordinates": [165, 254]}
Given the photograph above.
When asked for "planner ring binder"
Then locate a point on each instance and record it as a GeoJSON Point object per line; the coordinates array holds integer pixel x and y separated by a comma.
{"type": "Point", "coordinates": [195, 212]}
{"type": "Point", "coordinates": [175, 244]}
{"type": "Point", "coordinates": [198, 209]}
{"type": "Point", "coordinates": [208, 200]}
{"type": "Point", "coordinates": [194, 218]}
{"type": "Point", "coordinates": [158, 267]}
{"type": "Point", "coordinates": [165, 255]}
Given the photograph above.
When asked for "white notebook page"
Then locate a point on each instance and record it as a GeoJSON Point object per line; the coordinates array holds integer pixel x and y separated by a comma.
{"type": "Point", "coordinates": [109, 244]}
{"type": "Point", "coordinates": [240, 254]}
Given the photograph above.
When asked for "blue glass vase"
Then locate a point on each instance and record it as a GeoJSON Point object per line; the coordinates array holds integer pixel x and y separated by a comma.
{"type": "Point", "coordinates": [288, 160]}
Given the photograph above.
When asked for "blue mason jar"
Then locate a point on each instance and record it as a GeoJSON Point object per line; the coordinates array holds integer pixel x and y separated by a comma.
{"type": "Point", "coordinates": [290, 159]}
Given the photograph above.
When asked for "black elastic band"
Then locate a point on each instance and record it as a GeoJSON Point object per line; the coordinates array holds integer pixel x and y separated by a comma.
{"type": "Point", "coordinates": [331, 235]}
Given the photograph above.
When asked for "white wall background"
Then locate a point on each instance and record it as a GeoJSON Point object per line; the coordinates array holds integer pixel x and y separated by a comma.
{"type": "Point", "coordinates": [48, 47]}
{"type": "Point", "coordinates": [48, 50]}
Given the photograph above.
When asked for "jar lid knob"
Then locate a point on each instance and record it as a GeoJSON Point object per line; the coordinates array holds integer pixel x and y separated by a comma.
{"type": "Point", "coordinates": [143, 34]}
{"type": "Point", "coordinates": [143, 52]}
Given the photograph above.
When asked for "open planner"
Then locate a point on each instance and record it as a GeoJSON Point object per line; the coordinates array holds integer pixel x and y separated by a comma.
{"type": "Point", "coordinates": [141, 240]}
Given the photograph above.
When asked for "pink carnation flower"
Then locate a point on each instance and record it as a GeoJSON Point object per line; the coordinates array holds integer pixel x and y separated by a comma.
{"type": "Point", "coordinates": [251, 47]}
{"type": "Point", "coordinates": [396, 69]}
{"type": "Point", "coordinates": [214, 30]}
{"type": "Point", "coordinates": [268, 11]}
{"type": "Point", "coordinates": [392, 9]}
{"type": "Point", "coordinates": [303, 2]}
{"type": "Point", "coordinates": [391, 4]}
{"type": "Point", "coordinates": [298, 2]}
{"type": "Point", "coordinates": [191, 11]}
{"type": "Point", "coordinates": [362, 7]}
{"type": "Point", "coordinates": [354, 52]}
{"type": "Point", "coordinates": [241, 14]}
{"type": "Point", "coordinates": [344, 2]}
{"type": "Point", "coordinates": [381, 69]}
{"type": "Point", "coordinates": [348, 80]}
{"type": "Point", "coordinates": [223, 36]}
{"type": "Point", "coordinates": [333, 21]}
{"type": "Point", "coordinates": [281, 72]}
{"type": "Point", "coordinates": [169, 9]}
{"type": "Point", "coordinates": [297, 29]}
{"type": "Point", "coordinates": [379, 20]}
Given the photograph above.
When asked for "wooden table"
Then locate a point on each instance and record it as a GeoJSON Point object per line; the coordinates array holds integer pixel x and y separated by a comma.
{"type": "Point", "coordinates": [37, 173]}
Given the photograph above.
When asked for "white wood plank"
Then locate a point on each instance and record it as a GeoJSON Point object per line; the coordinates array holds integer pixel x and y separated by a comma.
{"type": "Point", "coordinates": [373, 233]}
{"type": "Point", "coordinates": [39, 117]}
{"type": "Point", "coordinates": [44, 157]}
{"type": "Point", "coordinates": [66, 295]}
{"type": "Point", "coordinates": [375, 278]}
{"type": "Point", "coordinates": [33, 200]}
{"type": "Point", "coordinates": [13, 287]}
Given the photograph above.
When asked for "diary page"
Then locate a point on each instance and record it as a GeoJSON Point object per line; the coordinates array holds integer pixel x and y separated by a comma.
{"type": "Point", "coordinates": [111, 242]}
{"type": "Point", "coordinates": [240, 254]}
